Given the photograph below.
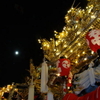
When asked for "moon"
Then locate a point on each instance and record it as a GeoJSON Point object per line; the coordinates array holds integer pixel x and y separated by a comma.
{"type": "Point", "coordinates": [16, 52]}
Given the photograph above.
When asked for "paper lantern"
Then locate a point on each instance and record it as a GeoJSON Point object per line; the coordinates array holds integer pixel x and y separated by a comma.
{"type": "Point", "coordinates": [93, 39]}
{"type": "Point", "coordinates": [63, 66]}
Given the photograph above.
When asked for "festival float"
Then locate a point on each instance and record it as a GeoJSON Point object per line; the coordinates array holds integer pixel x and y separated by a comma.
{"type": "Point", "coordinates": [79, 42]}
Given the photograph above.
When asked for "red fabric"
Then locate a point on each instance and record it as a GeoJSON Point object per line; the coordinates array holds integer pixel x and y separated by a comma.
{"type": "Point", "coordinates": [70, 96]}
{"type": "Point", "coordinates": [93, 39]}
{"type": "Point", "coordinates": [94, 95]}
{"type": "Point", "coordinates": [63, 66]}
{"type": "Point", "coordinates": [35, 96]}
{"type": "Point", "coordinates": [69, 84]}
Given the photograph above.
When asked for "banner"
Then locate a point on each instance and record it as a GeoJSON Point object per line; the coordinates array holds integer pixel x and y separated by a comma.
{"type": "Point", "coordinates": [31, 91]}
{"type": "Point", "coordinates": [50, 95]}
{"type": "Point", "coordinates": [44, 77]}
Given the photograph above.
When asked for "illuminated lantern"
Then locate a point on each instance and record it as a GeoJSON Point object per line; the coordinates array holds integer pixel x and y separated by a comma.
{"type": "Point", "coordinates": [63, 66]}
{"type": "Point", "coordinates": [93, 39]}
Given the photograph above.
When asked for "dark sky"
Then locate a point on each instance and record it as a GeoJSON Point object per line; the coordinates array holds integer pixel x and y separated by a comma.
{"type": "Point", "coordinates": [22, 24]}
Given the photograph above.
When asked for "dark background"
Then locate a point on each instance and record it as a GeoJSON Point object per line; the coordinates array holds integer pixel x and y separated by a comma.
{"type": "Point", "coordinates": [22, 24]}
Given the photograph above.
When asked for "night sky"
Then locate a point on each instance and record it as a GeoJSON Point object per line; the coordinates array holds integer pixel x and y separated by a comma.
{"type": "Point", "coordinates": [22, 24]}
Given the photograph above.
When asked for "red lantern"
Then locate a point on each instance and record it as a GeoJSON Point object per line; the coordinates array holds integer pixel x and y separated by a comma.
{"type": "Point", "coordinates": [93, 39]}
{"type": "Point", "coordinates": [63, 66]}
